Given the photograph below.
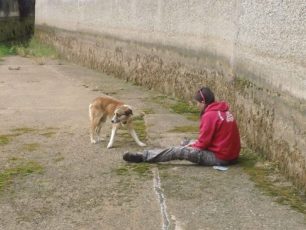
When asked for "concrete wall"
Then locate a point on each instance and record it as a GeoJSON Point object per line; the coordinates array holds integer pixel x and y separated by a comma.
{"type": "Point", "coordinates": [251, 53]}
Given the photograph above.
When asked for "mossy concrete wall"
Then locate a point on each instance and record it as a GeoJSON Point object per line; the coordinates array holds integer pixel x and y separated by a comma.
{"type": "Point", "coordinates": [12, 28]}
{"type": "Point", "coordinates": [250, 54]}
{"type": "Point", "coordinates": [16, 19]}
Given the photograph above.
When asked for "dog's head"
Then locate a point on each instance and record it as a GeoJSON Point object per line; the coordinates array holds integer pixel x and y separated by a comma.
{"type": "Point", "coordinates": [122, 114]}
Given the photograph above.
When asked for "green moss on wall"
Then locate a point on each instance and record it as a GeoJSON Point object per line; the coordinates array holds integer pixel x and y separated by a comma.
{"type": "Point", "coordinates": [12, 28]}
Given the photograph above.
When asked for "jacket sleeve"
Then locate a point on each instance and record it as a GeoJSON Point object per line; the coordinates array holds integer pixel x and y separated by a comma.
{"type": "Point", "coordinates": [207, 130]}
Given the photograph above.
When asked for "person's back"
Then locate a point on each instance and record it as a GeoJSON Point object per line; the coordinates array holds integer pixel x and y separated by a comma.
{"type": "Point", "coordinates": [219, 132]}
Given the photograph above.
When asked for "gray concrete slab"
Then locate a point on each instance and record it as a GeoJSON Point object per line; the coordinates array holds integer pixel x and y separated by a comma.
{"type": "Point", "coordinates": [85, 186]}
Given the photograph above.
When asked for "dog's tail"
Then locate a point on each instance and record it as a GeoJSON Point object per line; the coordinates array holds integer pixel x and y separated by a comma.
{"type": "Point", "coordinates": [90, 113]}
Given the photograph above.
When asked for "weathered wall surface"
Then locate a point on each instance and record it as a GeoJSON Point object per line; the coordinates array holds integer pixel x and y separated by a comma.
{"type": "Point", "coordinates": [251, 54]}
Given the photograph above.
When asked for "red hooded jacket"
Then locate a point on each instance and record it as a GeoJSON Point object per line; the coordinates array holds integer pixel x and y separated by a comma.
{"type": "Point", "coordinates": [219, 132]}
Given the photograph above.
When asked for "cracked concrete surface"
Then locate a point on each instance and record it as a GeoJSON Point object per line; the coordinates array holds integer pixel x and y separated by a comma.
{"type": "Point", "coordinates": [80, 187]}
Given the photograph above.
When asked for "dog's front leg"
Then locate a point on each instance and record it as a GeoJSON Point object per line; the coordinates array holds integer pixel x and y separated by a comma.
{"type": "Point", "coordinates": [135, 137]}
{"type": "Point", "coordinates": [112, 138]}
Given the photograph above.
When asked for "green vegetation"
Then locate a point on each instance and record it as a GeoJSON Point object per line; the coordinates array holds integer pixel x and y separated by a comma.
{"type": "Point", "coordinates": [161, 100]}
{"type": "Point", "coordinates": [267, 177]}
{"type": "Point", "coordinates": [4, 139]}
{"type": "Point", "coordinates": [140, 129]}
{"type": "Point", "coordinates": [6, 50]}
{"type": "Point", "coordinates": [139, 126]}
{"type": "Point", "coordinates": [58, 159]}
{"type": "Point", "coordinates": [31, 48]}
{"type": "Point", "coordinates": [191, 112]}
{"type": "Point", "coordinates": [36, 49]}
{"type": "Point", "coordinates": [23, 130]}
{"type": "Point", "coordinates": [148, 111]}
{"type": "Point", "coordinates": [141, 169]}
{"type": "Point", "coordinates": [183, 107]}
{"type": "Point", "coordinates": [7, 138]}
{"type": "Point", "coordinates": [185, 129]}
{"type": "Point", "coordinates": [48, 134]}
{"type": "Point", "coordinates": [21, 169]}
{"type": "Point", "coordinates": [30, 147]}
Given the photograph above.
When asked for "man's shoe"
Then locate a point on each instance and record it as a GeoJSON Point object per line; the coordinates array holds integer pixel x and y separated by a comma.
{"type": "Point", "coordinates": [133, 157]}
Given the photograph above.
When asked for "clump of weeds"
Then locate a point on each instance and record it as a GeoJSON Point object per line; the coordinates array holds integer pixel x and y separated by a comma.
{"type": "Point", "coordinates": [29, 48]}
{"type": "Point", "coordinates": [143, 170]}
{"type": "Point", "coordinates": [31, 147]}
{"type": "Point", "coordinates": [139, 126]}
{"type": "Point", "coordinates": [35, 48]}
{"type": "Point", "coordinates": [188, 110]}
{"type": "Point", "coordinates": [18, 168]}
{"type": "Point", "coordinates": [185, 129]}
{"type": "Point", "coordinates": [266, 175]}
{"type": "Point", "coordinates": [23, 130]}
{"type": "Point", "coordinates": [7, 138]}
{"type": "Point", "coordinates": [4, 139]}
{"type": "Point", "coordinates": [6, 50]}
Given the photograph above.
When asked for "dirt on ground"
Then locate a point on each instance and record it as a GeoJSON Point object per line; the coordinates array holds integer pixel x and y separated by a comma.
{"type": "Point", "coordinates": [52, 177]}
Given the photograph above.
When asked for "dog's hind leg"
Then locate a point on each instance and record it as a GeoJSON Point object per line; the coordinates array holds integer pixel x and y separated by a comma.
{"type": "Point", "coordinates": [93, 131]}
{"type": "Point", "coordinates": [95, 126]}
{"type": "Point", "coordinates": [135, 137]}
{"type": "Point", "coordinates": [98, 129]}
{"type": "Point", "coordinates": [92, 125]}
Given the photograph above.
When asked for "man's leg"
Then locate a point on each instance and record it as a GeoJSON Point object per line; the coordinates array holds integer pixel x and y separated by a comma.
{"type": "Point", "coordinates": [201, 157]}
{"type": "Point", "coordinates": [169, 154]}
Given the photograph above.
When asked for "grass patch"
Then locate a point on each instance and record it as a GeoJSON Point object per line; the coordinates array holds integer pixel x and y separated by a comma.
{"type": "Point", "coordinates": [6, 50]}
{"type": "Point", "coordinates": [23, 130]}
{"type": "Point", "coordinates": [148, 111]}
{"type": "Point", "coordinates": [161, 100]}
{"type": "Point", "coordinates": [14, 159]}
{"type": "Point", "coordinates": [48, 134]}
{"type": "Point", "coordinates": [182, 108]}
{"type": "Point", "coordinates": [185, 129]}
{"type": "Point", "coordinates": [32, 48]}
{"type": "Point", "coordinates": [192, 116]}
{"type": "Point", "coordinates": [140, 128]}
{"type": "Point", "coordinates": [4, 139]}
{"type": "Point", "coordinates": [140, 169]}
{"type": "Point", "coordinates": [58, 159]}
{"type": "Point", "coordinates": [35, 48]}
{"type": "Point", "coordinates": [31, 147]}
{"type": "Point", "coordinates": [191, 112]}
{"type": "Point", "coordinates": [20, 170]}
{"type": "Point", "coordinates": [7, 138]}
{"type": "Point", "coordinates": [267, 177]}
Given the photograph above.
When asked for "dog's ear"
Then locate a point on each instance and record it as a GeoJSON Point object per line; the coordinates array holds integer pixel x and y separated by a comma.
{"type": "Point", "coordinates": [128, 112]}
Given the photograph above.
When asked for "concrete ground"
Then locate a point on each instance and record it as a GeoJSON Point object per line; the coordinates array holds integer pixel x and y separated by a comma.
{"type": "Point", "coordinates": [44, 115]}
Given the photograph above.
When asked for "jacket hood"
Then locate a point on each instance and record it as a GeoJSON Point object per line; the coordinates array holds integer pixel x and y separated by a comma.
{"type": "Point", "coordinates": [217, 106]}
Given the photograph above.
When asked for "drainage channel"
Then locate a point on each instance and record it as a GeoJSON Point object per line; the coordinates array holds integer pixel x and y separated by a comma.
{"type": "Point", "coordinates": [161, 199]}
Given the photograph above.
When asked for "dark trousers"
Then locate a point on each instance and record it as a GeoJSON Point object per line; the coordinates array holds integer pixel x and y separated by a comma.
{"type": "Point", "coordinates": [201, 157]}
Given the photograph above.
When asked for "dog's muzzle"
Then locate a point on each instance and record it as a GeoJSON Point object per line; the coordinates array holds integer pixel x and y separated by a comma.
{"type": "Point", "coordinates": [115, 121]}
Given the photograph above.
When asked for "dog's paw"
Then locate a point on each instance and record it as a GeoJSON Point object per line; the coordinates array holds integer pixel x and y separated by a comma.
{"type": "Point", "coordinates": [142, 144]}
{"type": "Point", "coordinates": [109, 146]}
{"type": "Point", "coordinates": [93, 141]}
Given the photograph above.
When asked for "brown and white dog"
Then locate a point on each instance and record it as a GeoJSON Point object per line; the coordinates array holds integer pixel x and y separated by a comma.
{"type": "Point", "coordinates": [120, 114]}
